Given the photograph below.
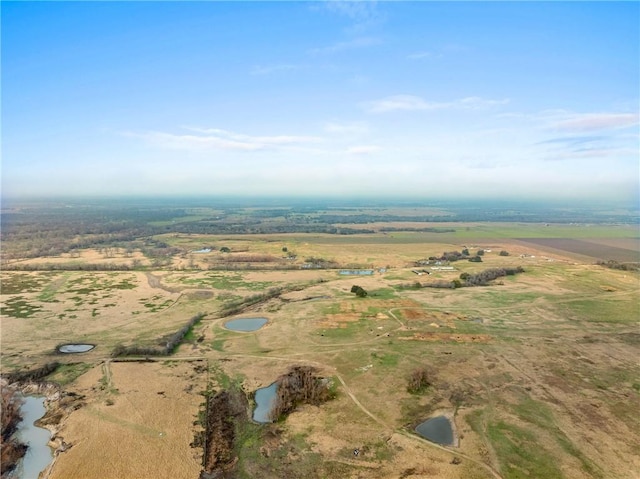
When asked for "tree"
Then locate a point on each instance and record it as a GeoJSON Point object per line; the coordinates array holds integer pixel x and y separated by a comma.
{"type": "Point", "coordinates": [360, 293]}
{"type": "Point", "coordinates": [419, 380]}
{"type": "Point", "coordinates": [504, 253]}
{"type": "Point", "coordinates": [480, 252]}
{"type": "Point", "coordinates": [476, 259]}
{"type": "Point", "coordinates": [465, 252]}
{"type": "Point", "coordinates": [224, 249]}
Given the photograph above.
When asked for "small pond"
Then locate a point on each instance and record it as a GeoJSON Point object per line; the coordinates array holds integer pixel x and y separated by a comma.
{"type": "Point", "coordinates": [264, 402]}
{"type": "Point", "coordinates": [245, 324]}
{"type": "Point", "coordinates": [437, 429]}
{"type": "Point", "coordinates": [76, 348]}
{"type": "Point", "coordinates": [38, 455]}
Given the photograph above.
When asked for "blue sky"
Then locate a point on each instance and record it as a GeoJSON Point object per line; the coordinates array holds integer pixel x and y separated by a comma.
{"type": "Point", "coordinates": [422, 99]}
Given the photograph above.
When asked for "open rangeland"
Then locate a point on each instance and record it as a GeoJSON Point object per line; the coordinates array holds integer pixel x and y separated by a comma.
{"type": "Point", "coordinates": [538, 371]}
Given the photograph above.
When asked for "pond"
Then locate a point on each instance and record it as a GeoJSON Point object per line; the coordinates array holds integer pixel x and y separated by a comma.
{"type": "Point", "coordinates": [38, 455]}
{"type": "Point", "coordinates": [265, 398]}
{"type": "Point", "coordinates": [75, 348]}
{"type": "Point", "coordinates": [437, 429]}
{"type": "Point", "coordinates": [245, 324]}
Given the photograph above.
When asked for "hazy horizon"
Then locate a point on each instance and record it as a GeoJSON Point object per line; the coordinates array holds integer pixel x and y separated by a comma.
{"type": "Point", "coordinates": [423, 100]}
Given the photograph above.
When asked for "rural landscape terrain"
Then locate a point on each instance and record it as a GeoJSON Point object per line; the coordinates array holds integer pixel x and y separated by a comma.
{"type": "Point", "coordinates": [517, 322]}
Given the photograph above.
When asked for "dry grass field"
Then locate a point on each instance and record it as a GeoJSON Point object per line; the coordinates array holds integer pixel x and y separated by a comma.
{"type": "Point", "coordinates": [538, 371]}
{"type": "Point", "coordinates": [139, 422]}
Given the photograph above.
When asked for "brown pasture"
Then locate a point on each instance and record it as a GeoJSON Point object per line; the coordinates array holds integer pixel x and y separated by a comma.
{"type": "Point", "coordinates": [138, 422]}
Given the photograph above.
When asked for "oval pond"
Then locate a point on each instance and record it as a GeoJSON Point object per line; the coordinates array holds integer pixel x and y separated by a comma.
{"type": "Point", "coordinates": [76, 348]}
{"type": "Point", "coordinates": [245, 324]}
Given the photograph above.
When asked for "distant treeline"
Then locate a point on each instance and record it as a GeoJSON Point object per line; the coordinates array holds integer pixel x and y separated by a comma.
{"type": "Point", "coordinates": [418, 230]}
{"type": "Point", "coordinates": [38, 230]}
{"type": "Point", "coordinates": [612, 264]}
{"type": "Point", "coordinates": [68, 267]}
{"type": "Point", "coordinates": [173, 342]}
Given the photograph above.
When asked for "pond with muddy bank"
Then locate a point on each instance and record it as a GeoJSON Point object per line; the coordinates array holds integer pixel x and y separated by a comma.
{"type": "Point", "coordinates": [39, 455]}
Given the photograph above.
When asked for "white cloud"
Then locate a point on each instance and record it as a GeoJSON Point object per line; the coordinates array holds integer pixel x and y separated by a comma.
{"type": "Point", "coordinates": [218, 139]}
{"type": "Point", "coordinates": [416, 103]}
{"type": "Point", "coordinates": [363, 150]}
{"type": "Point", "coordinates": [597, 121]}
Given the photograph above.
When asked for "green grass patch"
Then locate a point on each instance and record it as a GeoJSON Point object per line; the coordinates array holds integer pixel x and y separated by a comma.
{"type": "Point", "coordinates": [19, 307]}
{"type": "Point", "coordinates": [539, 414]}
{"type": "Point", "coordinates": [67, 373]}
{"type": "Point", "coordinates": [218, 344]}
{"type": "Point", "coordinates": [382, 293]}
{"type": "Point", "coordinates": [17, 283]}
{"type": "Point", "coordinates": [385, 359]}
{"type": "Point", "coordinates": [520, 453]}
{"type": "Point", "coordinates": [602, 310]}
{"type": "Point", "coordinates": [223, 280]}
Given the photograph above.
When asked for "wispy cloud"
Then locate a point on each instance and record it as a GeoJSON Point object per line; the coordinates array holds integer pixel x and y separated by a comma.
{"type": "Point", "coordinates": [596, 121]}
{"type": "Point", "coordinates": [602, 153]}
{"type": "Point", "coordinates": [218, 139]}
{"type": "Point", "coordinates": [363, 14]}
{"type": "Point", "coordinates": [416, 103]}
{"type": "Point", "coordinates": [363, 150]}
{"type": "Point", "coordinates": [573, 140]}
{"type": "Point", "coordinates": [360, 42]}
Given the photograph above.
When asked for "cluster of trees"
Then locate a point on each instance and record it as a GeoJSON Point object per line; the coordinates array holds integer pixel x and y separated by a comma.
{"type": "Point", "coordinates": [359, 291]}
{"type": "Point", "coordinates": [237, 306]}
{"type": "Point", "coordinates": [483, 278]}
{"type": "Point", "coordinates": [451, 256]}
{"type": "Point", "coordinates": [299, 386]}
{"type": "Point", "coordinates": [224, 409]}
{"type": "Point", "coordinates": [466, 279]}
{"type": "Point", "coordinates": [173, 342]}
{"type": "Point", "coordinates": [612, 264]}
{"type": "Point", "coordinates": [11, 449]}
{"type": "Point", "coordinates": [419, 380]}
{"type": "Point", "coordinates": [321, 262]}
{"type": "Point", "coordinates": [250, 258]}
{"type": "Point", "coordinates": [32, 374]}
